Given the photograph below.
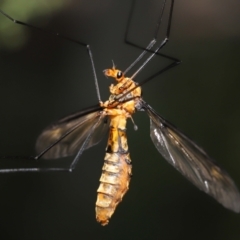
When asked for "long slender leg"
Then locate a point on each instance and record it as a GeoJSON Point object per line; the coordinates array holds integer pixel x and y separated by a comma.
{"type": "Point", "coordinates": [155, 52]}
{"type": "Point", "coordinates": [153, 41]}
{"type": "Point", "coordinates": [77, 157]}
{"type": "Point", "coordinates": [66, 38]}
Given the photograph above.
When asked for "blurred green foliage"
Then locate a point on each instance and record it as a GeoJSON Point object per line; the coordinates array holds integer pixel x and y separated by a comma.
{"type": "Point", "coordinates": [23, 11]}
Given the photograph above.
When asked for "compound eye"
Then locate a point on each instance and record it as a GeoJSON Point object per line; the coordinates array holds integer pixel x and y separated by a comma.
{"type": "Point", "coordinates": [119, 74]}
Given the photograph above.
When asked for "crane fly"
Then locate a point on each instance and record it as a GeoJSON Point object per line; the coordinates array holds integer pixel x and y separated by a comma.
{"type": "Point", "coordinates": [74, 134]}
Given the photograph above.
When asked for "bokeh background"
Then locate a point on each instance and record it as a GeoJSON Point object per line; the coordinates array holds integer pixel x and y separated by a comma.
{"type": "Point", "coordinates": [43, 78]}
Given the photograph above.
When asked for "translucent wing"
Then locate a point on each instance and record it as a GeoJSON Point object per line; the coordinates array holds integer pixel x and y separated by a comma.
{"type": "Point", "coordinates": [65, 137]}
{"type": "Point", "coordinates": [192, 161]}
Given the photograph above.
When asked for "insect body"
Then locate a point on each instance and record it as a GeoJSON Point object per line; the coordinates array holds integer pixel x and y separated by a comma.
{"type": "Point", "coordinates": [117, 168]}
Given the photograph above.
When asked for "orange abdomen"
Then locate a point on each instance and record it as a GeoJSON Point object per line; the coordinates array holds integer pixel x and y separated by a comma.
{"type": "Point", "coordinates": [116, 175]}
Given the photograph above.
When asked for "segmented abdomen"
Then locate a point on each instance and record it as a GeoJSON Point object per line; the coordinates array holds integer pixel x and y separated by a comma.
{"type": "Point", "coordinates": [116, 175]}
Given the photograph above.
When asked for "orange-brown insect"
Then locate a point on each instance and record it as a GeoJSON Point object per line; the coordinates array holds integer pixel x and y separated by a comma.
{"type": "Point", "coordinates": [117, 168]}
{"type": "Point", "coordinates": [82, 130]}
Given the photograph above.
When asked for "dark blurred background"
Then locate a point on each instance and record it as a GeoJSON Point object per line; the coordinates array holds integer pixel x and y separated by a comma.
{"type": "Point", "coordinates": [44, 78]}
